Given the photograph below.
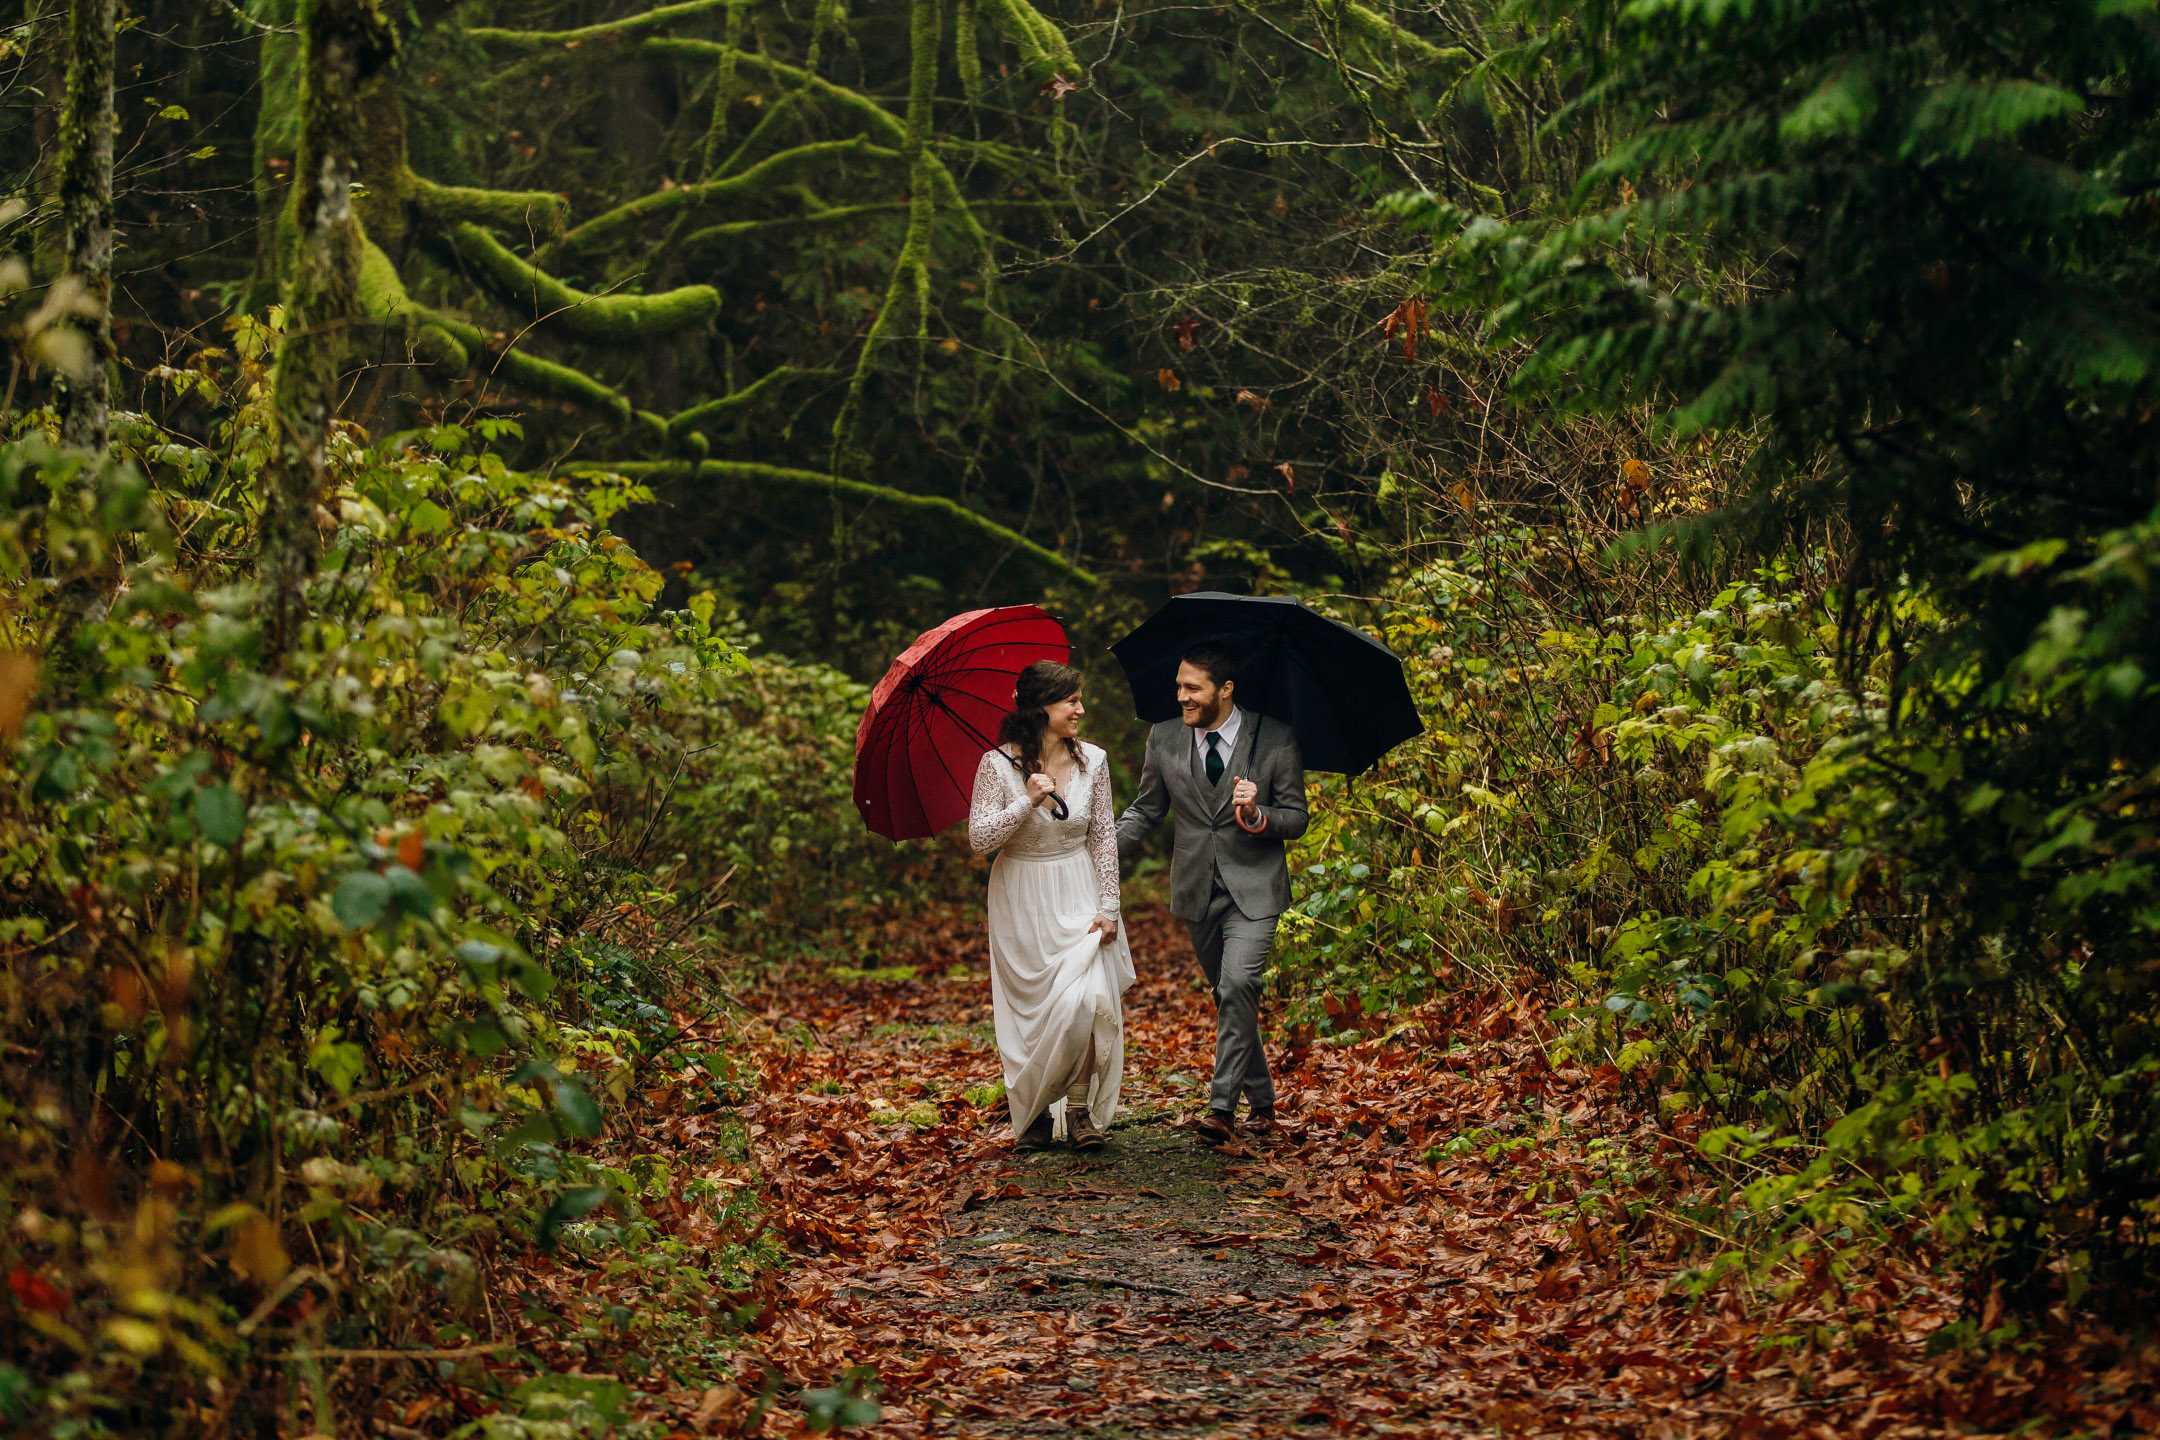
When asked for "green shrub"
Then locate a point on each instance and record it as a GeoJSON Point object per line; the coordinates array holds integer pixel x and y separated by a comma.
{"type": "Point", "coordinates": [343, 951]}
{"type": "Point", "coordinates": [1905, 996]}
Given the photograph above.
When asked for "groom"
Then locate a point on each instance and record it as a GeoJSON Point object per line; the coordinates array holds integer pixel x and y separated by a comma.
{"type": "Point", "coordinates": [1237, 785]}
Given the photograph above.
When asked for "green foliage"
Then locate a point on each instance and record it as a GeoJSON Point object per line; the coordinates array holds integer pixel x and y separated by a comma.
{"type": "Point", "coordinates": [845, 1405]}
{"type": "Point", "coordinates": [1946, 349]}
{"type": "Point", "coordinates": [1908, 998]}
{"type": "Point", "coordinates": [348, 947]}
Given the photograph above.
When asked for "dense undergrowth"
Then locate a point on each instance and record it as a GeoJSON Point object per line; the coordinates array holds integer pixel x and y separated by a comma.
{"type": "Point", "coordinates": [1848, 835]}
{"type": "Point", "coordinates": [323, 967]}
{"type": "Point", "coordinates": [1770, 890]}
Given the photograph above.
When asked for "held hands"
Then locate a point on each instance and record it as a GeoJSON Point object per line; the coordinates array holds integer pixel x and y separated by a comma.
{"type": "Point", "coordinates": [1107, 924]}
{"type": "Point", "coordinates": [1245, 803]}
{"type": "Point", "coordinates": [1040, 788]}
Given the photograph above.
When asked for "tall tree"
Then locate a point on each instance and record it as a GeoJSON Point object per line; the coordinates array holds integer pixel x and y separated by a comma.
{"type": "Point", "coordinates": [343, 42]}
{"type": "Point", "coordinates": [86, 208]}
{"type": "Point", "coordinates": [1949, 346]}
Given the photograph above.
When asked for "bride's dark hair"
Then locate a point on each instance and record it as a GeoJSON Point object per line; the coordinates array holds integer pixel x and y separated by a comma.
{"type": "Point", "coordinates": [1040, 686]}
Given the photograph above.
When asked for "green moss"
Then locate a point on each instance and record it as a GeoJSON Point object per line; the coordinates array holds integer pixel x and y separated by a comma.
{"type": "Point", "coordinates": [601, 319]}
{"type": "Point", "coordinates": [605, 227]}
{"type": "Point", "coordinates": [911, 268]}
{"type": "Point", "coordinates": [383, 298]}
{"type": "Point", "coordinates": [934, 507]}
{"type": "Point", "coordinates": [608, 32]}
{"type": "Point", "coordinates": [874, 117]}
{"type": "Point", "coordinates": [687, 422]}
{"type": "Point", "coordinates": [724, 88]}
{"type": "Point", "coordinates": [277, 113]}
{"type": "Point", "coordinates": [540, 212]}
{"type": "Point", "coordinates": [825, 215]}
{"type": "Point", "coordinates": [1043, 47]}
{"type": "Point", "coordinates": [86, 211]}
{"type": "Point", "coordinates": [967, 52]}
{"type": "Point", "coordinates": [828, 17]}
{"type": "Point", "coordinates": [1387, 39]}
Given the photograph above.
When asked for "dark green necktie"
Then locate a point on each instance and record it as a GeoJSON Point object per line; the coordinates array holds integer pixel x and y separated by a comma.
{"type": "Point", "coordinates": [1214, 760]}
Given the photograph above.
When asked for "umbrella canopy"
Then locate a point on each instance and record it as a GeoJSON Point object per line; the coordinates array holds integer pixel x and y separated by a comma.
{"type": "Point", "coordinates": [1338, 689]}
{"type": "Point", "coordinates": [935, 712]}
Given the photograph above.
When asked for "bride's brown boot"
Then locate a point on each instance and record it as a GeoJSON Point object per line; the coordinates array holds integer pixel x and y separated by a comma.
{"type": "Point", "coordinates": [1083, 1130]}
{"type": "Point", "coordinates": [1037, 1136]}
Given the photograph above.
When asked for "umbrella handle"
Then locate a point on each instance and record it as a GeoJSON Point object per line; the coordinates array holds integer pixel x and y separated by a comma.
{"type": "Point", "coordinates": [1057, 801]}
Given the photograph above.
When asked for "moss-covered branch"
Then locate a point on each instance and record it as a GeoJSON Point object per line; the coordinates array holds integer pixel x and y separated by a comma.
{"type": "Point", "coordinates": [880, 122]}
{"type": "Point", "coordinates": [605, 227]}
{"type": "Point", "coordinates": [724, 87]}
{"type": "Point", "coordinates": [607, 32]}
{"type": "Point", "coordinates": [1388, 38]}
{"type": "Point", "coordinates": [749, 473]}
{"type": "Point", "coordinates": [967, 53]}
{"type": "Point", "coordinates": [600, 319]}
{"type": "Point", "coordinates": [540, 212]}
{"type": "Point", "coordinates": [1043, 47]}
{"type": "Point", "coordinates": [682, 424]}
{"type": "Point", "coordinates": [383, 298]}
{"type": "Point", "coordinates": [824, 215]}
{"type": "Point", "coordinates": [911, 268]}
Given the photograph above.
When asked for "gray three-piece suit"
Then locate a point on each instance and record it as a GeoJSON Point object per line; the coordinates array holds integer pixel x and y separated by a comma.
{"type": "Point", "coordinates": [1227, 885]}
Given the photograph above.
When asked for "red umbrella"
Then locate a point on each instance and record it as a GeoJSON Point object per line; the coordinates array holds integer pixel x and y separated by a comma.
{"type": "Point", "coordinates": [935, 712]}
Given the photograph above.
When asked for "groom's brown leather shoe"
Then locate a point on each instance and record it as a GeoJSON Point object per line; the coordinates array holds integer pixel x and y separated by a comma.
{"type": "Point", "coordinates": [1260, 1124]}
{"type": "Point", "coordinates": [1215, 1129]}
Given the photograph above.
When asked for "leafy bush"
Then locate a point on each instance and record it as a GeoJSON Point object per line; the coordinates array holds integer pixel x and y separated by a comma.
{"type": "Point", "coordinates": [322, 964]}
{"type": "Point", "coordinates": [1898, 256]}
{"type": "Point", "coordinates": [1770, 903]}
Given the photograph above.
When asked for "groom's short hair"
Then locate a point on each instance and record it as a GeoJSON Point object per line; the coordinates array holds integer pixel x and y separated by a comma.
{"type": "Point", "coordinates": [1220, 664]}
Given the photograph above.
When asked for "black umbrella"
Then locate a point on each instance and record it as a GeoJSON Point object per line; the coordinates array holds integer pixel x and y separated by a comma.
{"type": "Point", "coordinates": [1339, 690]}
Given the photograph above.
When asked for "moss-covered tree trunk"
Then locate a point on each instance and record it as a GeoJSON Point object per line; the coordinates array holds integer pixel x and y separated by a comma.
{"type": "Point", "coordinates": [86, 212]}
{"type": "Point", "coordinates": [910, 283]}
{"type": "Point", "coordinates": [342, 43]}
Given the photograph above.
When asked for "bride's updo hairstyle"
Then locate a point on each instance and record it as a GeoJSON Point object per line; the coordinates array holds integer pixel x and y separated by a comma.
{"type": "Point", "coordinates": [1040, 686]}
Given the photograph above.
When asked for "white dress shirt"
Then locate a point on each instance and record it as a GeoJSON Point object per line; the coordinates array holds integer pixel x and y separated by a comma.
{"type": "Point", "coordinates": [1226, 742]}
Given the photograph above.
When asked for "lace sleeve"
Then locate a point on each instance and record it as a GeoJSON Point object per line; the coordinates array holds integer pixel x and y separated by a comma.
{"type": "Point", "coordinates": [1102, 837]}
{"type": "Point", "coordinates": [993, 813]}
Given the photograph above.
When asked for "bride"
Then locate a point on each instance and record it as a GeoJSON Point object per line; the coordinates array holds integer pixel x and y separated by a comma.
{"type": "Point", "coordinates": [1059, 961]}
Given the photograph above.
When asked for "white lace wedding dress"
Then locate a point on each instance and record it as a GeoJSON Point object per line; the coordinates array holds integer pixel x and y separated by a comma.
{"type": "Point", "coordinates": [1053, 982]}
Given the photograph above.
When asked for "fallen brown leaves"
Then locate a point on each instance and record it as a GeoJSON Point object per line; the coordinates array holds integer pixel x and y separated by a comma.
{"type": "Point", "coordinates": [1522, 1279]}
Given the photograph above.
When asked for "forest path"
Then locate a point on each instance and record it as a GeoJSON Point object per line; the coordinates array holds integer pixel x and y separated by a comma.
{"type": "Point", "coordinates": [1452, 1237]}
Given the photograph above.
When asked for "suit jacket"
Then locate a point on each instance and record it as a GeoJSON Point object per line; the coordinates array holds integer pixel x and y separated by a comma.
{"type": "Point", "coordinates": [1210, 842]}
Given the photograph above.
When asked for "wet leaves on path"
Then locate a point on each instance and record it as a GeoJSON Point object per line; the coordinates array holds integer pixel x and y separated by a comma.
{"type": "Point", "coordinates": [1455, 1241]}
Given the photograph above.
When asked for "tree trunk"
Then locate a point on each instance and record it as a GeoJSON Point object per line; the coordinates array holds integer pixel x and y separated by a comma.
{"type": "Point", "coordinates": [343, 42]}
{"type": "Point", "coordinates": [86, 211]}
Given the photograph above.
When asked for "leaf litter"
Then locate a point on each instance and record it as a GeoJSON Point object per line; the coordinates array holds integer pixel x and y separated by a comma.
{"type": "Point", "coordinates": [1448, 1235]}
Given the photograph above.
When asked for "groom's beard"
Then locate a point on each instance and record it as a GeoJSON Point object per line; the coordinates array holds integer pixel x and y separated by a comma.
{"type": "Point", "coordinates": [1203, 720]}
